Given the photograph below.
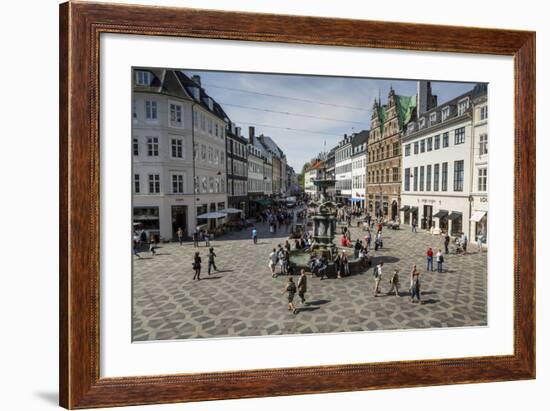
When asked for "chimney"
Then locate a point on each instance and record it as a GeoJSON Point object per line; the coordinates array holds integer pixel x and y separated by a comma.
{"type": "Point", "coordinates": [197, 80]}
{"type": "Point", "coordinates": [421, 97]}
{"type": "Point", "coordinates": [251, 132]}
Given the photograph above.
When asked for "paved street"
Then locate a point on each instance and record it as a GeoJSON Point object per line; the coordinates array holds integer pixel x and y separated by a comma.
{"type": "Point", "coordinates": [243, 300]}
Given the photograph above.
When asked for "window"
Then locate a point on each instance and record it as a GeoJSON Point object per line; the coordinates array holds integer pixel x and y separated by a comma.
{"type": "Point", "coordinates": [151, 110]}
{"type": "Point", "coordinates": [152, 146]}
{"type": "Point", "coordinates": [422, 146]}
{"type": "Point", "coordinates": [395, 173]}
{"type": "Point", "coordinates": [203, 122]}
{"type": "Point", "coordinates": [444, 173]}
{"type": "Point", "coordinates": [143, 78]}
{"type": "Point", "coordinates": [407, 179]}
{"type": "Point", "coordinates": [216, 129]}
{"type": "Point", "coordinates": [387, 175]}
{"type": "Point", "coordinates": [483, 113]}
{"type": "Point", "coordinates": [458, 175]}
{"type": "Point", "coordinates": [135, 146]}
{"type": "Point", "coordinates": [445, 113]}
{"type": "Point", "coordinates": [416, 148]}
{"type": "Point", "coordinates": [445, 140]}
{"type": "Point", "coordinates": [429, 142]}
{"type": "Point", "coordinates": [136, 184]}
{"type": "Point", "coordinates": [433, 118]}
{"type": "Point", "coordinates": [415, 179]}
{"type": "Point", "coordinates": [177, 183]}
{"type": "Point", "coordinates": [177, 148]}
{"type": "Point", "coordinates": [210, 154]}
{"type": "Point", "coordinates": [482, 179]}
{"type": "Point", "coordinates": [395, 149]}
{"type": "Point", "coordinates": [175, 115]}
{"type": "Point", "coordinates": [460, 135]}
{"type": "Point", "coordinates": [437, 140]}
{"type": "Point", "coordinates": [421, 178]}
{"type": "Point", "coordinates": [134, 111]}
{"type": "Point", "coordinates": [407, 150]}
{"type": "Point", "coordinates": [211, 184]}
{"type": "Point", "coordinates": [483, 141]}
{"type": "Point", "coordinates": [195, 119]}
{"type": "Point", "coordinates": [462, 107]}
{"type": "Point", "coordinates": [429, 178]}
{"type": "Point", "coordinates": [209, 126]}
{"type": "Point", "coordinates": [154, 183]}
{"type": "Point", "coordinates": [436, 177]}
{"type": "Point", "coordinates": [203, 152]}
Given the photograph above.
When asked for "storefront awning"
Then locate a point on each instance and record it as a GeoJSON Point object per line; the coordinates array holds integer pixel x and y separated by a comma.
{"type": "Point", "coordinates": [455, 215]}
{"type": "Point", "coordinates": [404, 208]}
{"type": "Point", "coordinates": [477, 216]}
{"type": "Point", "coordinates": [441, 214]}
{"type": "Point", "coordinates": [264, 202]}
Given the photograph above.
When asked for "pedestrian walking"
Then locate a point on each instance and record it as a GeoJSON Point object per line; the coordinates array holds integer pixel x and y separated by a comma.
{"type": "Point", "coordinates": [429, 259]}
{"type": "Point", "coordinates": [180, 235]}
{"type": "Point", "coordinates": [415, 284]}
{"type": "Point", "coordinates": [394, 283]}
{"type": "Point", "coordinates": [439, 260]}
{"type": "Point", "coordinates": [206, 238]}
{"type": "Point", "coordinates": [290, 288]}
{"type": "Point", "coordinates": [197, 266]}
{"type": "Point", "coordinates": [358, 246]}
{"type": "Point", "coordinates": [446, 242]}
{"type": "Point", "coordinates": [254, 235]}
{"type": "Point", "coordinates": [413, 225]}
{"type": "Point", "coordinates": [272, 262]}
{"type": "Point", "coordinates": [464, 242]}
{"type": "Point", "coordinates": [480, 243]}
{"type": "Point", "coordinates": [302, 286]}
{"type": "Point", "coordinates": [211, 260]}
{"type": "Point", "coordinates": [377, 273]}
{"type": "Point", "coordinates": [135, 249]}
{"type": "Point", "coordinates": [152, 247]}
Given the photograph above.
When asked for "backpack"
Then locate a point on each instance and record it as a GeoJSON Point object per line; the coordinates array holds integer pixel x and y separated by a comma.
{"type": "Point", "coordinates": [291, 288]}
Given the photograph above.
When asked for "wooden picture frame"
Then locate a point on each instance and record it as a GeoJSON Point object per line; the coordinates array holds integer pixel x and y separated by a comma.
{"type": "Point", "coordinates": [81, 25]}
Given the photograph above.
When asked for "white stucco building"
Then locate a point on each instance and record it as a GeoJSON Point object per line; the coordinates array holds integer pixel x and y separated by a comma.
{"type": "Point", "coordinates": [359, 169]}
{"type": "Point", "coordinates": [314, 172]}
{"type": "Point", "coordinates": [480, 178]}
{"type": "Point", "coordinates": [438, 166]}
{"type": "Point", "coordinates": [172, 118]}
{"type": "Point", "coordinates": [342, 170]}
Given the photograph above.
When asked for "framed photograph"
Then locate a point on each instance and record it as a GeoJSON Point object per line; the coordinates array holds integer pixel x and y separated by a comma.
{"type": "Point", "coordinates": [259, 205]}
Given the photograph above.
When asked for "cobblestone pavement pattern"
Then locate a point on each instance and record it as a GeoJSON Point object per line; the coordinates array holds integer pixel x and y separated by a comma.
{"type": "Point", "coordinates": [243, 300]}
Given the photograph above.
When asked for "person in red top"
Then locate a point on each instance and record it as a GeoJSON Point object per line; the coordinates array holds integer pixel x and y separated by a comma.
{"type": "Point", "coordinates": [430, 260]}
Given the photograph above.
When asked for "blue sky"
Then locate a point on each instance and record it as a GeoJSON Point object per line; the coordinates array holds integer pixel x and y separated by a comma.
{"type": "Point", "coordinates": [348, 100]}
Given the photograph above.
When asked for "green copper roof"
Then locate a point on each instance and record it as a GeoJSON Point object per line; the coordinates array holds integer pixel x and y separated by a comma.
{"type": "Point", "coordinates": [382, 116]}
{"type": "Point", "coordinates": [405, 107]}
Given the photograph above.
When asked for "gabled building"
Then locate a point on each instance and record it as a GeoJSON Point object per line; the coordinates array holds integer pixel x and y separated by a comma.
{"type": "Point", "coordinates": [384, 149]}
{"type": "Point", "coordinates": [178, 148]}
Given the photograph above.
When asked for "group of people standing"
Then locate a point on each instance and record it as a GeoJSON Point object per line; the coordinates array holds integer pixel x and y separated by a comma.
{"type": "Point", "coordinates": [414, 282]}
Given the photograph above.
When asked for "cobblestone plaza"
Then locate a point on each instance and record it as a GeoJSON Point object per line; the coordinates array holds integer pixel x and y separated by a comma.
{"type": "Point", "coordinates": [242, 299]}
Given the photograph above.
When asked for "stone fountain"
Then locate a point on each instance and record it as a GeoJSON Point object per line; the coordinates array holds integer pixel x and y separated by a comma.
{"type": "Point", "coordinates": [324, 222]}
{"type": "Point", "coordinates": [324, 231]}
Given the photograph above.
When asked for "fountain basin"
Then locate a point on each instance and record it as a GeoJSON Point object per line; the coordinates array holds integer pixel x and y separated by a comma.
{"type": "Point", "coordinates": [300, 258]}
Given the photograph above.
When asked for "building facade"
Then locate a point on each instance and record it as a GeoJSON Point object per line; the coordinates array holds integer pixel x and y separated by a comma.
{"type": "Point", "coordinates": [384, 153]}
{"type": "Point", "coordinates": [176, 126]}
{"type": "Point", "coordinates": [314, 172]}
{"type": "Point", "coordinates": [237, 169]}
{"type": "Point", "coordinates": [342, 171]}
{"type": "Point", "coordinates": [480, 178]}
{"type": "Point", "coordinates": [437, 174]}
{"type": "Point", "coordinates": [359, 169]}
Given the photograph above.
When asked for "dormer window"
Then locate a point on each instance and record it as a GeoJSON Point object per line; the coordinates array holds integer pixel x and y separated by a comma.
{"type": "Point", "coordinates": [143, 78]}
{"type": "Point", "coordinates": [462, 106]}
{"type": "Point", "coordinates": [445, 113]}
{"type": "Point", "coordinates": [422, 122]}
{"type": "Point", "coordinates": [433, 118]}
